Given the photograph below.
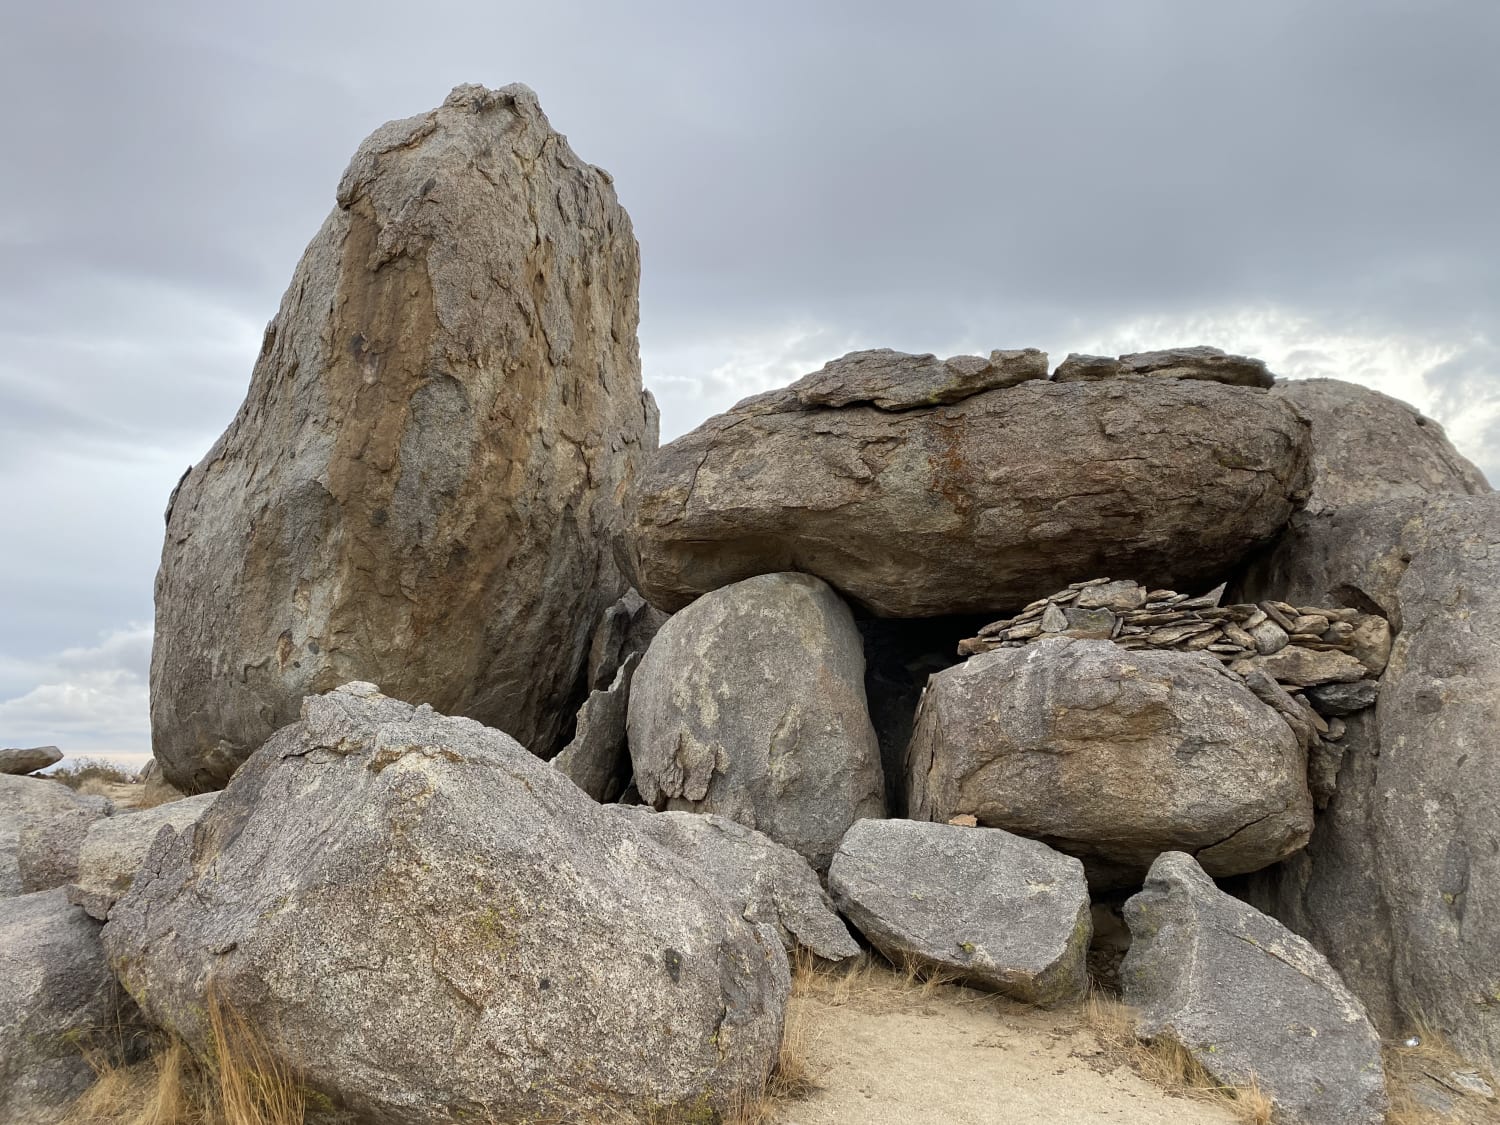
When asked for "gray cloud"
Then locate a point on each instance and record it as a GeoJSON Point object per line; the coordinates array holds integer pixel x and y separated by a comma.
{"type": "Point", "coordinates": [1315, 179]}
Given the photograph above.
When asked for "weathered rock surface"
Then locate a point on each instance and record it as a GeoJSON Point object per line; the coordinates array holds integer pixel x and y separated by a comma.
{"type": "Point", "coordinates": [424, 483]}
{"type": "Point", "coordinates": [48, 847]}
{"type": "Point", "coordinates": [1249, 1000]}
{"type": "Point", "coordinates": [597, 759]}
{"type": "Point", "coordinates": [29, 761]}
{"type": "Point", "coordinates": [894, 380]}
{"type": "Point", "coordinates": [378, 879]}
{"type": "Point", "coordinates": [976, 506]}
{"type": "Point", "coordinates": [997, 911]}
{"type": "Point", "coordinates": [30, 803]}
{"type": "Point", "coordinates": [765, 881]}
{"type": "Point", "coordinates": [1198, 363]}
{"type": "Point", "coordinates": [750, 703]}
{"type": "Point", "coordinates": [58, 1000]}
{"type": "Point", "coordinates": [1432, 567]}
{"type": "Point", "coordinates": [1112, 755]}
{"type": "Point", "coordinates": [1368, 446]}
{"type": "Point", "coordinates": [624, 631]}
{"type": "Point", "coordinates": [113, 850]}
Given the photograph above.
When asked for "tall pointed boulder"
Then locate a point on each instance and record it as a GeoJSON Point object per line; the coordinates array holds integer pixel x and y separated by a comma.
{"type": "Point", "coordinates": [424, 484]}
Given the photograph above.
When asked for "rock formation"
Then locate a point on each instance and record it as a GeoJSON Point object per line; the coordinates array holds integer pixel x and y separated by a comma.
{"type": "Point", "coordinates": [1112, 755]}
{"type": "Point", "coordinates": [750, 703]}
{"type": "Point", "coordinates": [114, 850]}
{"type": "Point", "coordinates": [977, 505]}
{"type": "Point", "coordinates": [424, 483]}
{"type": "Point", "coordinates": [1249, 1000]}
{"type": "Point", "coordinates": [31, 803]}
{"type": "Point", "coordinates": [1401, 882]}
{"type": "Point", "coordinates": [59, 1002]}
{"type": "Point", "coordinates": [765, 881]}
{"type": "Point", "coordinates": [992, 910]}
{"type": "Point", "coordinates": [378, 879]}
{"type": "Point", "coordinates": [16, 761]}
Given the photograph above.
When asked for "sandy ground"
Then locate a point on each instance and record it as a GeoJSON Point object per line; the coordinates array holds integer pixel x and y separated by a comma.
{"type": "Point", "coordinates": [883, 1053]}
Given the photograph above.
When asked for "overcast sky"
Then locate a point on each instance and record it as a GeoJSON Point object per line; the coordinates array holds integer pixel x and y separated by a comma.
{"type": "Point", "coordinates": [1314, 183]}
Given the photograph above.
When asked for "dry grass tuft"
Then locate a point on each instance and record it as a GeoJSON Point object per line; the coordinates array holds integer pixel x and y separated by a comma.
{"type": "Point", "coordinates": [240, 1083]}
{"type": "Point", "coordinates": [1430, 1063]}
{"type": "Point", "coordinates": [1167, 1063]}
{"type": "Point", "coordinates": [93, 772]}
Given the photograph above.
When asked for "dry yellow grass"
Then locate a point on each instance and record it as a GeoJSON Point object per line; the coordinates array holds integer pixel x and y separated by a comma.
{"type": "Point", "coordinates": [1433, 1060]}
{"type": "Point", "coordinates": [239, 1083]}
{"type": "Point", "coordinates": [1166, 1063]}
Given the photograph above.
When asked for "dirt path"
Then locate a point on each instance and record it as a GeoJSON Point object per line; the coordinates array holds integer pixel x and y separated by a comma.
{"type": "Point", "coordinates": [882, 1052]}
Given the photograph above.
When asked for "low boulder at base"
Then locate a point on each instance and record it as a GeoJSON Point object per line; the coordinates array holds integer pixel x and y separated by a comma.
{"type": "Point", "coordinates": [765, 881]}
{"type": "Point", "coordinates": [58, 1002]}
{"type": "Point", "coordinates": [429, 923]}
{"type": "Point", "coordinates": [750, 703]}
{"type": "Point", "coordinates": [994, 910]}
{"type": "Point", "coordinates": [1251, 1001]}
{"type": "Point", "coordinates": [1111, 755]}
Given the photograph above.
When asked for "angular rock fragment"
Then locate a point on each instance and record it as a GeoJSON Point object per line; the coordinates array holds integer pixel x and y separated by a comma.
{"type": "Point", "coordinates": [1199, 363]}
{"type": "Point", "coordinates": [1078, 368]}
{"type": "Point", "coordinates": [750, 703]}
{"type": "Point", "coordinates": [1249, 1000]}
{"type": "Point", "coordinates": [59, 1003]}
{"type": "Point", "coordinates": [1344, 698]}
{"type": "Point", "coordinates": [378, 879]}
{"type": "Point", "coordinates": [1111, 755]}
{"type": "Point", "coordinates": [1304, 667]}
{"type": "Point", "coordinates": [423, 486]}
{"type": "Point", "coordinates": [113, 850]}
{"type": "Point", "coordinates": [765, 881]}
{"type": "Point", "coordinates": [29, 761]}
{"type": "Point", "coordinates": [982, 504]}
{"type": "Point", "coordinates": [996, 911]}
{"type": "Point", "coordinates": [892, 380]}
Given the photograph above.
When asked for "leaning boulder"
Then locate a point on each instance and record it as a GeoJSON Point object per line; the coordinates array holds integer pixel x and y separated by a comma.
{"type": "Point", "coordinates": [1368, 446]}
{"type": "Point", "coordinates": [59, 1002]}
{"type": "Point", "coordinates": [977, 505]}
{"type": "Point", "coordinates": [750, 703]}
{"type": "Point", "coordinates": [29, 761]}
{"type": "Point", "coordinates": [29, 804]}
{"type": "Point", "coordinates": [379, 879]}
{"type": "Point", "coordinates": [991, 909]}
{"type": "Point", "coordinates": [765, 881]}
{"type": "Point", "coordinates": [423, 486]}
{"type": "Point", "coordinates": [1112, 755]}
{"type": "Point", "coordinates": [113, 850]}
{"type": "Point", "coordinates": [1249, 1000]}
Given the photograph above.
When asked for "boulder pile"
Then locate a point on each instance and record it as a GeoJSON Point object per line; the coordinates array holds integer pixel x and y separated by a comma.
{"type": "Point", "coordinates": [538, 751]}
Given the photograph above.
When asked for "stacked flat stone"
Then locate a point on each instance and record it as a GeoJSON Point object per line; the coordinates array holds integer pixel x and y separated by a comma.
{"type": "Point", "coordinates": [1328, 660]}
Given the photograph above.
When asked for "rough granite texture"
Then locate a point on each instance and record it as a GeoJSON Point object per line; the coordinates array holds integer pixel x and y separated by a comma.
{"type": "Point", "coordinates": [114, 849]}
{"type": "Point", "coordinates": [16, 761]}
{"type": "Point", "coordinates": [765, 881]}
{"type": "Point", "coordinates": [1420, 822]}
{"type": "Point", "coordinates": [424, 484]}
{"type": "Point", "coordinates": [1249, 1000]}
{"type": "Point", "coordinates": [993, 910]}
{"type": "Point", "coordinates": [1113, 756]}
{"type": "Point", "coordinates": [750, 703]}
{"type": "Point", "coordinates": [430, 923]}
{"type": "Point", "coordinates": [977, 506]}
{"type": "Point", "coordinates": [1368, 446]}
{"type": "Point", "coordinates": [58, 1000]}
{"type": "Point", "coordinates": [28, 804]}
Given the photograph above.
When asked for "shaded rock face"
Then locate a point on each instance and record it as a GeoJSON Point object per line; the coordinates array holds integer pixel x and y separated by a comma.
{"type": "Point", "coordinates": [894, 380]}
{"type": "Point", "coordinates": [58, 1001]}
{"type": "Point", "coordinates": [29, 761]}
{"type": "Point", "coordinates": [976, 506]}
{"type": "Point", "coordinates": [1422, 821]}
{"type": "Point", "coordinates": [424, 482]}
{"type": "Point", "coordinates": [1368, 446]}
{"type": "Point", "coordinates": [29, 804]}
{"type": "Point", "coordinates": [1113, 756]}
{"type": "Point", "coordinates": [114, 850]}
{"type": "Point", "coordinates": [1249, 1000]}
{"type": "Point", "coordinates": [48, 848]}
{"type": "Point", "coordinates": [750, 703]}
{"type": "Point", "coordinates": [765, 881]}
{"type": "Point", "coordinates": [997, 911]}
{"type": "Point", "coordinates": [378, 879]}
